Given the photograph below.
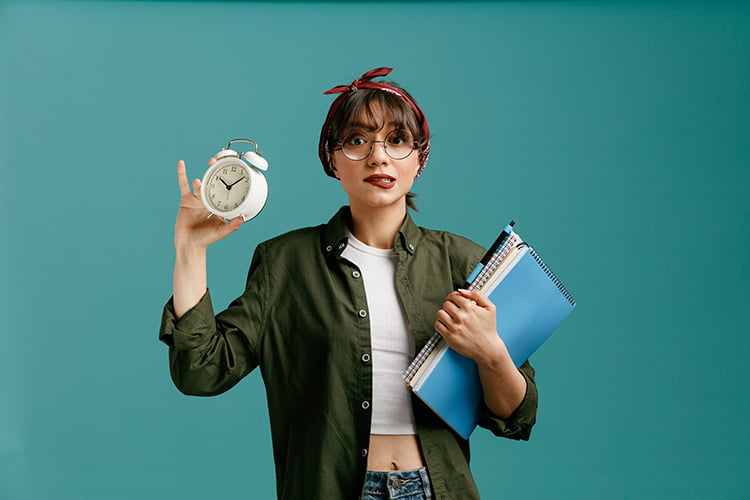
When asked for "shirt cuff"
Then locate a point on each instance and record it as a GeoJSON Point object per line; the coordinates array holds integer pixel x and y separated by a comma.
{"type": "Point", "coordinates": [519, 424]}
{"type": "Point", "coordinates": [192, 329]}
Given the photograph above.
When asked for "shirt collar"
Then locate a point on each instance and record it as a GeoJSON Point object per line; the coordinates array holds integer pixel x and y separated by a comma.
{"type": "Point", "coordinates": [335, 234]}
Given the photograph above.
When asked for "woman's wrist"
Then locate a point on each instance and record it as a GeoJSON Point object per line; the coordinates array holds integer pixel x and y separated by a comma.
{"type": "Point", "coordinates": [189, 277]}
{"type": "Point", "coordinates": [189, 250]}
{"type": "Point", "coordinates": [493, 354]}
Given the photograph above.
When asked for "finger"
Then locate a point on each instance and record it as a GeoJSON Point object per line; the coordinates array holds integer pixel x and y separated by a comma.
{"type": "Point", "coordinates": [182, 178]}
{"type": "Point", "coordinates": [452, 309]}
{"type": "Point", "coordinates": [236, 223]}
{"type": "Point", "coordinates": [461, 301]}
{"type": "Point", "coordinates": [477, 297]}
{"type": "Point", "coordinates": [227, 228]}
{"type": "Point", "coordinates": [441, 328]}
{"type": "Point", "coordinates": [212, 161]}
{"type": "Point", "coordinates": [197, 187]}
{"type": "Point", "coordinates": [445, 318]}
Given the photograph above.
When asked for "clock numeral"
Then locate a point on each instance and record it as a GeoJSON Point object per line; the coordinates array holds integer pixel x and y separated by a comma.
{"type": "Point", "coordinates": [234, 168]}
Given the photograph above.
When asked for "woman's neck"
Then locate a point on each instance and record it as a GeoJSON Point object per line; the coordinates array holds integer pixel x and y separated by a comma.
{"type": "Point", "coordinates": [377, 228]}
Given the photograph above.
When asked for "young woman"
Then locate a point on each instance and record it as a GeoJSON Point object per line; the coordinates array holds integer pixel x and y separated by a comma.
{"type": "Point", "coordinates": [333, 314]}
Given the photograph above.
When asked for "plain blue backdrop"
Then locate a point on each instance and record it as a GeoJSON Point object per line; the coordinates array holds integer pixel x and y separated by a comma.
{"type": "Point", "coordinates": [616, 134]}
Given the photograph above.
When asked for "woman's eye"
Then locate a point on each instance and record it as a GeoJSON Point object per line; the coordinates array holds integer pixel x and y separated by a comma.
{"type": "Point", "coordinates": [399, 137]}
{"type": "Point", "coordinates": [355, 140]}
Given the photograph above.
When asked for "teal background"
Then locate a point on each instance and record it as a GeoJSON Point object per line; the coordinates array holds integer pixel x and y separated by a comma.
{"type": "Point", "coordinates": [617, 134]}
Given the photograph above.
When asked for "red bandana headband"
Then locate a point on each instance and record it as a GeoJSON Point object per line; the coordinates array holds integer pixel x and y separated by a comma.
{"type": "Point", "coordinates": [365, 82]}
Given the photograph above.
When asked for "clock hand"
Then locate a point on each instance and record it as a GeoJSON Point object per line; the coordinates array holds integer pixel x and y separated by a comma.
{"type": "Point", "coordinates": [235, 182]}
{"type": "Point", "coordinates": [225, 184]}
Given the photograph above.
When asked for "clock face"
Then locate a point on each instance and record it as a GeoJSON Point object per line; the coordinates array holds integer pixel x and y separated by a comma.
{"type": "Point", "coordinates": [227, 187]}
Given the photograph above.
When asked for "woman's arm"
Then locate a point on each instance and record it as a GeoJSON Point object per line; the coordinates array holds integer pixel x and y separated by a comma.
{"type": "Point", "coordinates": [208, 354]}
{"type": "Point", "coordinates": [467, 323]}
{"type": "Point", "coordinates": [194, 231]}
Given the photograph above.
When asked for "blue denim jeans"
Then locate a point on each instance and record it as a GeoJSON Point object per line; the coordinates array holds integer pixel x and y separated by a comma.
{"type": "Point", "coordinates": [402, 484]}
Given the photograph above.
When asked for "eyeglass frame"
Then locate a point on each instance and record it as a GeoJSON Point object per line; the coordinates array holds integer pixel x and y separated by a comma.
{"type": "Point", "coordinates": [415, 145]}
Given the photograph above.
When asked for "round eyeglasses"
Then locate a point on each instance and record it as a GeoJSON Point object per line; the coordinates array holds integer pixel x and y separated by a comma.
{"type": "Point", "coordinates": [398, 144]}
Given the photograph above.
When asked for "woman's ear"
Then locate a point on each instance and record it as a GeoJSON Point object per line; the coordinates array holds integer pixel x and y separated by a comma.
{"type": "Point", "coordinates": [333, 169]}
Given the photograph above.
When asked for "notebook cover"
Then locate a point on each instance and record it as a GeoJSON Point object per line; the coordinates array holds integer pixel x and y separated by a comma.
{"type": "Point", "coordinates": [530, 303]}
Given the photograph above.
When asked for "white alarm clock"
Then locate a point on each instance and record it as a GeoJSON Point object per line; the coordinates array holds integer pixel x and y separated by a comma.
{"type": "Point", "coordinates": [234, 185]}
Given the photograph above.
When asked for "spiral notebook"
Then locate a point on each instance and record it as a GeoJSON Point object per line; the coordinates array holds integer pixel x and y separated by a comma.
{"type": "Point", "coordinates": [531, 303]}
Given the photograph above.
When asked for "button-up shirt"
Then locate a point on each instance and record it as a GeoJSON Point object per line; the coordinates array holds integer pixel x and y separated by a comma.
{"type": "Point", "coordinates": [303, 319]}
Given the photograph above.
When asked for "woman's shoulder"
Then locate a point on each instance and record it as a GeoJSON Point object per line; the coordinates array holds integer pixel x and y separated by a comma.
{"type": "Point", "coordinates": [453, 243]}
{"type": "Point", "coordinates": [311, 237]}
{"type": "Point", "coordinates": [304, 238]}
{"type": "Point", "coordinates": [460, 254]}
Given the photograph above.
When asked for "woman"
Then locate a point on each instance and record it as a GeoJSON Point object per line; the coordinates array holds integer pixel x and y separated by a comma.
{"type": "Point", "coordinates": [332, 315]}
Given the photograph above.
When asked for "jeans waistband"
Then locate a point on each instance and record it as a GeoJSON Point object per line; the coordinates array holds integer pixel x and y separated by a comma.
{"type": "Point", "coordinates": [402, 484]}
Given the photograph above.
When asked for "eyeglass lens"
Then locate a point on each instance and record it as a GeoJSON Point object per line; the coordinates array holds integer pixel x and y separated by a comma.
{"type": "Point", "coordinates": [398, 145]}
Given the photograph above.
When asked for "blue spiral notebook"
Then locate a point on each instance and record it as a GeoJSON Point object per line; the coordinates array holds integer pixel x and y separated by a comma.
{"type": "Point", "coordinates": [531, 303]}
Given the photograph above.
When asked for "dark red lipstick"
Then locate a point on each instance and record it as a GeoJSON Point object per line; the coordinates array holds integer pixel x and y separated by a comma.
{"type": "Point", "coordinates": [381, 180]}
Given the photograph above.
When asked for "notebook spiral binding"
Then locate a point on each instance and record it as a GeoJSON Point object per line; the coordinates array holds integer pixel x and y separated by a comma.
{"type": "Point", "coordinates": [552, 277]}
{"type": "Point", "coordinates": [513, 241]}
{"type": "Point", "coordinates": [430, 346]}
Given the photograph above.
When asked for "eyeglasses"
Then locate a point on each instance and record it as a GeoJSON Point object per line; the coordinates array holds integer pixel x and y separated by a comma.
{"type": "Point", "coordinates": [398, 144]}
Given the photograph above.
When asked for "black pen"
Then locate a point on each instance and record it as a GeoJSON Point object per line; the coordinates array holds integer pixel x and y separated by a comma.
{"type": "Point", "coordinates": [498, 242]}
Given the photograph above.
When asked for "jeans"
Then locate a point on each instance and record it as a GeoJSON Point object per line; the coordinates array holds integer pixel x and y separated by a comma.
{"type": "Point", "coordinates": [402, 484]}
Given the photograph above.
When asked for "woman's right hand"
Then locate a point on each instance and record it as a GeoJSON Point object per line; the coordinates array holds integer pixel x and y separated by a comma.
{"type": "Point", "coordinates": [194, 228]}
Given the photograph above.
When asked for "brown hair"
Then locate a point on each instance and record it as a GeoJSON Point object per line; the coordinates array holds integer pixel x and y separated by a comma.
{"type": "Point", "coordinates": [362, 105]}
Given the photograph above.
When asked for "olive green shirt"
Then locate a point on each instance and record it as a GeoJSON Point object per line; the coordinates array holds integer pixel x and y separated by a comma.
{"type": "Point", "coordinates": [303, 319]}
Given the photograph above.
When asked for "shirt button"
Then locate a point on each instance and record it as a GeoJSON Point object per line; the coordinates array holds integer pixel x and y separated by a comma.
{"type": "Point", "coordinates": [356, 274]}
{"type": "Point", "coordinates": [411, 247]}
{"type": "Point", "coordinates": [364, 452]}
{"type": "Point", "coordinates": [329, 248]}
{"type": "Point", "coordinates": [362, 313]}
{"type": "Point", "coordinates": [341, 245]}
{"type": "Point", "coordinates": [365, 405]}
{"type": "Point", "coordinates": [365, 358]}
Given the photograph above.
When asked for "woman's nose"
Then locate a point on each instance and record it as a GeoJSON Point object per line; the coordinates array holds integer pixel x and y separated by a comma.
{"type": "Point", "coordinates": [378, 155]}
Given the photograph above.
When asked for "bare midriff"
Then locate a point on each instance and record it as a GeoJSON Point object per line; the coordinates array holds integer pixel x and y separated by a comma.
{"type": "Point", "coordinates": [394, 452]}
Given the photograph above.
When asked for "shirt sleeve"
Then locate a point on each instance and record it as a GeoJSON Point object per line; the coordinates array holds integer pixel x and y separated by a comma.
{"type": "Point", "coordinates": [209, 354]}
{"type": "Point", "coordinates": [519, 424]}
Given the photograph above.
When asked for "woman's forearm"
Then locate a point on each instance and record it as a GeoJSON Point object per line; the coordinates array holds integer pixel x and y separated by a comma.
{"type": "Point", "coordinates": [503, 386]}
{"type": "Point", "coordinates": [189, 283]}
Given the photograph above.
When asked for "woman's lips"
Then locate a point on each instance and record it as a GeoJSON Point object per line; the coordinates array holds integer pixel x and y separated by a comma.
{"type": "Point", "coordinates": [381, 181]}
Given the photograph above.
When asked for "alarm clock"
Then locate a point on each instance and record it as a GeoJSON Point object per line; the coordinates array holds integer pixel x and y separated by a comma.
{"type": "Point", "coordinates": [234, 185]}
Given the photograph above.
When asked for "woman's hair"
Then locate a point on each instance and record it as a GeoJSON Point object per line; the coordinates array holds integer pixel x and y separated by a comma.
{"type": "Point", "coordinates": [374, 107]}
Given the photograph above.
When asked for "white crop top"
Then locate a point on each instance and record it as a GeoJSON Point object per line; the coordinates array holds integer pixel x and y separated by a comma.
{"type": "Point", "coordinates": [391, 337]}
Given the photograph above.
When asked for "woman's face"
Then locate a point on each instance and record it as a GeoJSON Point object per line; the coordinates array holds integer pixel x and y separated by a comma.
{"type": "Point", "coordinates": [378, 181]}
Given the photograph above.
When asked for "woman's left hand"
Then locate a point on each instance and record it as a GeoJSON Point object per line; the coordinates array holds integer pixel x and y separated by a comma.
{"type": "Point", "coordinates": [467, 323]}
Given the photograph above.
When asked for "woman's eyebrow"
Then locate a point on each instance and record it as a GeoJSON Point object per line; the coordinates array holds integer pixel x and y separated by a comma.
{"type": "Point", "coordinates": [366, 126]}
{"type": "Point", "coordinates": [359, 125]}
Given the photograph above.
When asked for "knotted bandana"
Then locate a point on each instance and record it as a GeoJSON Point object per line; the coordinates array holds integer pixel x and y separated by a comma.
{"type": "Point", "coordinates": [365, 82]}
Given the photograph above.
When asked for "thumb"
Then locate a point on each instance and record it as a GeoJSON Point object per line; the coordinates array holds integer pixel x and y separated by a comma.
{"type": "Point", "coordinates": [226, 228]}
{"type": "Point", "coordinates": [234, 224]}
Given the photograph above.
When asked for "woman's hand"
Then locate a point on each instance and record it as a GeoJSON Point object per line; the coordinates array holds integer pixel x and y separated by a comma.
{"type": "Point", "coordinates": [194, 228]}
{"type": "Point", "coordinates": [467, 323]}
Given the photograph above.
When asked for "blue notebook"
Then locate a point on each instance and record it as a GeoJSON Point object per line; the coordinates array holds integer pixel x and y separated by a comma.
{"type": "Point", "coordinates": [531, 303]}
